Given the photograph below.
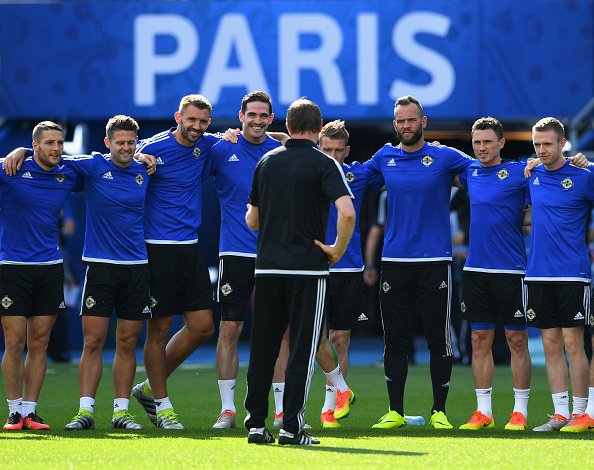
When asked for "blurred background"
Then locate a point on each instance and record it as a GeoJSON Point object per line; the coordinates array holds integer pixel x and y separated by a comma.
{"type": "Point", "coordinates": [80, 62]}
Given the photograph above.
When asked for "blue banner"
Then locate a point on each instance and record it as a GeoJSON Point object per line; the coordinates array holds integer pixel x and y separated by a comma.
{"type": "Point", "coordinates": [461, 59]}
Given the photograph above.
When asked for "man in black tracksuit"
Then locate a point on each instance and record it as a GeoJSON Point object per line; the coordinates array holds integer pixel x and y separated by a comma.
{"type": "Point", "coordinates": [290, 199]}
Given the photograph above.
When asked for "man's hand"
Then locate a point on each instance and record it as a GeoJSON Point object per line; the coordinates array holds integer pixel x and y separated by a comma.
{"type": "Point", "coordinates": [252, 217]}
{"type": "Point", "coordinates": [14, 160]}
{"type": "Point", "coordinates": [230, 135]}
{"type": "Point", "coordinates": [532, 162]}
{"type": "Point", "coordinates": [580, 160]}
{"type": "Point", "coordinates": [331, 251]}
{"type": "Point", "coordinates": [370, 275]}
{"type": "Point", "coordinates": [149, 160]}
{"type": "Point", "coordinates": [280, 136]}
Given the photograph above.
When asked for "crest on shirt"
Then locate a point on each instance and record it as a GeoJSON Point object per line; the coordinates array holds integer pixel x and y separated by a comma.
{"type": "Point", "coordinates": [197, 152]}
{"type": "Point", "coordinates": [386, 287]}
{"type": "Point", "coordinates": [226, 289]}
{"type": "Point", "coordinates": [6, 302]}
{"type": "Point", "coordinates": [530, 314]}
{"type": "Point", "coordinates": [350, 177]}
{"type": "Point", "coordinates": [139, 179]}
{"type": "Point", "coordinates": [567, 183]}
{"type": "Point", "coordinates": [154, 302]}
{"type": "Point", "coordinates": [60, 178]}
{"type": "Point", "coordinates": [502, 174]}
{"type": "Point", "coordinates": [427, 160]}
{"type": "Point", "coordinates": [90, 302]}
{"type": "Point", "coordinates": [463, 307]}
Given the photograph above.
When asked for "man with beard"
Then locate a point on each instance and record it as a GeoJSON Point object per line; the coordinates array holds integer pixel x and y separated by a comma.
{"type": "Point", "coordinates": [417, 255]}
{"type": "Point", "coordinates": [180, 281]}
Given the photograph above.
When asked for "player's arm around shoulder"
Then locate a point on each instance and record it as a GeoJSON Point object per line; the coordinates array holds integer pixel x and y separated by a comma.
{"type": "Point", "coordinates": [280, 136]}
{"type": "Point", "coordinates": [3, 175]}
{"type": "Point", "coordinates": [459, 160]}
{"type": "Point", "coordinates": [13, 161]}
{"type": "Point", "coordinates": [82, 164]}
{"type": "Point", "coordinates": [149, 160]}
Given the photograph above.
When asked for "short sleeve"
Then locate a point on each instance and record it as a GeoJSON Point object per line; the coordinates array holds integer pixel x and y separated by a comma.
{"type": "Point", "coordinates": [82, 164]}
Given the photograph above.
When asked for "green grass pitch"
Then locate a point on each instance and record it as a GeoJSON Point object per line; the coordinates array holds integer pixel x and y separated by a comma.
{"type": "Point", "coordinates": [194, 393]}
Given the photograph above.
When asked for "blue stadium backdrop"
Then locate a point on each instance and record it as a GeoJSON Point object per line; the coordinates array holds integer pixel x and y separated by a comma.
{"type": "Point", "coordinates": [462, 59]}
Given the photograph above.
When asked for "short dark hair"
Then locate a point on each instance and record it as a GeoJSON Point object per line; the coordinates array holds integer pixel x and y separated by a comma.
{"type": "Point", "coordinates": [334, 130]}
{"type": "Point", "coordinates": [45, 126]}
{"type": "Point", "coordinates": [550, 123]}
{"type": "Point", "coordinates": [304, 116]}
{"type": "Point", "coordinates": [258, 96]}
{"type": "Point", "coordinates": [120, 123]}
{"type": "Point", "coordinates": [195, 100]}
{"type": "Point", "coordinates": [489, 122]}
{"type": "Point", "coordinates": [405, 101]}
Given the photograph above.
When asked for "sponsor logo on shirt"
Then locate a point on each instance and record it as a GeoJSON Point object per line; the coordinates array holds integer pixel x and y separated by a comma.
{"type": "Point", "coordinates": [475, 172]}
{"type": "Point", "coordinates": [159, 161]}
{"type": "Point", "coordinates": [233, 158]}
{"type": "Point", "coordinates": [536, 181]}
{"type": "Point", "coordinates": [107, 176]}
{"type": "Point", "coordinates": [139, 179]}
{"type": "Point", "coordinates": [6, 302]}
{"type": "Point", "coordinates": [502, 174]}
{"type": "Point", "coordinates": [427, 160]}
{"type": "Point", "coordinates": [60, 178]}
{"type": "Point", "coordinates": [27, 174]}
{"type": "Point", "coordinates": [392, 162]}
{"type": "Point", "coordinates": [567, 183]}
{"type": "Point", "coordinates": [350, 177]}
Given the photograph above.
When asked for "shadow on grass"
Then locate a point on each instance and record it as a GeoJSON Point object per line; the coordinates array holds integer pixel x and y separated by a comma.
{"type": "Point", "coordinates": [349, 450]}
{"type": "Point", "coordinates": [457, 434]}
{"type": "Point", "coordinates": [126, 436]}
